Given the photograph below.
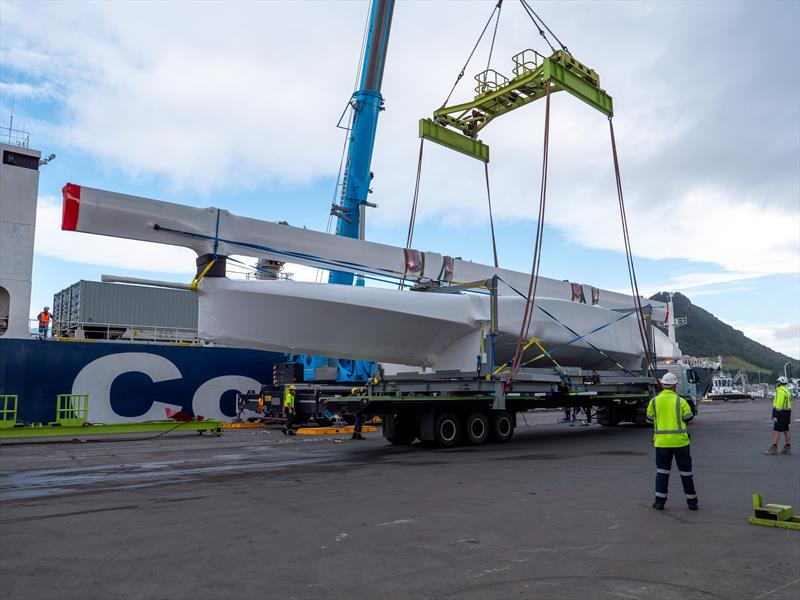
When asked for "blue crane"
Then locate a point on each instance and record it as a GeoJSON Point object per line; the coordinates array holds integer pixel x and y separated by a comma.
{"type": "Point", "coordinates": [367, 104]}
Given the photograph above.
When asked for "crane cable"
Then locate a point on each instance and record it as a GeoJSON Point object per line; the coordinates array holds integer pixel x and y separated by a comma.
{"type": "Point", "coordinates": [539, 23]}
{"type": "Point", "coordinates": [537, 248]}
{"type": "Point", "coordinates": [640, 319]}
{"type": "Point", "coordinates": [499, 8]}
{"type": "Point", "coordinates": [475, 47]}
{"type": "Point", "coordinates": [415, 201]}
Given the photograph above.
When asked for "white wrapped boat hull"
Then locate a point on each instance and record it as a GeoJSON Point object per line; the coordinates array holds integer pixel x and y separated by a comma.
{"type": "Point", "coordinates": [442, 331]}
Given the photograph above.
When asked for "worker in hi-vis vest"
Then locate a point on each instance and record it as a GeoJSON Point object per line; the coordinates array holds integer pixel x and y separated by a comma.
{"type": "Point", "coordinates": [781, 416]}
{"type": "Point", "coordinates": [669, 414]}
{"type": "Point", "coordinates": [289, 411]}
{"type": "Point", "coordinates": [44, 321]}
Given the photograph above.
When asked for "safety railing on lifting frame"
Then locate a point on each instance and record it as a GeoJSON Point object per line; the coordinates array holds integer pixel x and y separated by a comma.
{"type": "Point", "coordinates": [89, 330]}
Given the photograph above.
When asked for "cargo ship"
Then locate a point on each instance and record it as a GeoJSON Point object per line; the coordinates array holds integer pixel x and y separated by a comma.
{"type": "Point", "coordinates": [133, 349]}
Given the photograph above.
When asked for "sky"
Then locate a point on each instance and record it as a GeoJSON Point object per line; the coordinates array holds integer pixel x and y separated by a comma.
{"type": "Point", "coordinates": [235, 105]}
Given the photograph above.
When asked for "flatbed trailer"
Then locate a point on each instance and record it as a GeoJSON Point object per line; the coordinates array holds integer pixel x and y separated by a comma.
{"type": "Point", "coordinates": [447, 408]}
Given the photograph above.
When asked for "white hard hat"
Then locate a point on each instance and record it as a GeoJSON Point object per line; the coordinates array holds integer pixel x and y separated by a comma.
{"type": "Point", "coordinates": [783, 380]}
{"type": "Point", "coordinates": [669, 379]}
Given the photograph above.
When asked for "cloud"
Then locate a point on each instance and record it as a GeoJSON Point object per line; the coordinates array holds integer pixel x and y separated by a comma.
{"type": "Point", "coordinates": [720, 291]}
{"type": "Point", "coordinates": [22, 91]}
{"type": "Point", "coordinates": [709, 169]}
{"type": "Point", "coordinates": [788, 332]}
{"type": "Point", "coordinates": [689, 282]}
{"type": "Point", "coordinates": [781, 337]}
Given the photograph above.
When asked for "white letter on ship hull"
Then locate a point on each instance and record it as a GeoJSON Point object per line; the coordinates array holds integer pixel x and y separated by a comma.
{"type": "Point", "coordinates": [97, 377]}
{"type": "Point", "coordinates": [208, 397]}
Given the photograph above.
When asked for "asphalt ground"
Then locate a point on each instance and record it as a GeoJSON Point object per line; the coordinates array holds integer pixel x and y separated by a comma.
{"type": "Point", "coordinates": [559, 512]}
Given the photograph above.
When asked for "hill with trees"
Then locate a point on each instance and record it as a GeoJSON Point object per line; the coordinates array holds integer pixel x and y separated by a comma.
{"type": "Point", "coordinates": [706, 335]}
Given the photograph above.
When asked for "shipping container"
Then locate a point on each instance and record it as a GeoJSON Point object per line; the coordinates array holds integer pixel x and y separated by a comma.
{"type": "Point", "coordinates": [91, 309]}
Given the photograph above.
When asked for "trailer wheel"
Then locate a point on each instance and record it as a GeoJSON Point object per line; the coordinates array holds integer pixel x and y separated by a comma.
{"type": "Point", "coordinates": [503, 426]}
{"type": "Point", "coordinates": [448, 430]}
{"type": "Point", "coordinates": [476, 429]}
{"type": "Point", "coordinates": [608, 417]}
{"type": "Point", "coordinates": [405, 432]}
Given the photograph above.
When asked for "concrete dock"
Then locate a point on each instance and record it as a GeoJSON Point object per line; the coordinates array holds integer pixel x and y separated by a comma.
{"type": "Point", "coordinates": [559, 512]}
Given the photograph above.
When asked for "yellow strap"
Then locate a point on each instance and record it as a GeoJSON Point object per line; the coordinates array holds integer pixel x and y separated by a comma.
{"type": "Point", "coordinates": [544, 353]}
{"type": "Point", "coordinates": [197, 279]}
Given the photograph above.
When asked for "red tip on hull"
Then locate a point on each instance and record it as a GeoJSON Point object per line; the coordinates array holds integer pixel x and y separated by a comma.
{"type": "Point", "coordinates": [71, 207]}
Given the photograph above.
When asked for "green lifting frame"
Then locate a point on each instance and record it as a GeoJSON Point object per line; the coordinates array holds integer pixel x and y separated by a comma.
{"type": "Point", "coordinates": [497, 95]}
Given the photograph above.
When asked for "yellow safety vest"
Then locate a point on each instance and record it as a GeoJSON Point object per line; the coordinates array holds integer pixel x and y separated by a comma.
{"type": "Point", "coordinates": [669, 414]}
{"type": "Point", "coordinates": [783, 398]}
{"type": "Point", "coordinates": [288, 399]}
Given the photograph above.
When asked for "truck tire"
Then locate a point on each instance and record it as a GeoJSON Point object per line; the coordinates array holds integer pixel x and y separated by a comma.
{"type": "Point", "coordinates": [608, 417]}
{"type": "Point", "coordinates": [405, 432]}
{"type": "Point", "coordinates": [476, 428]}
{"type": "Point", "coordinates": [447, 431]}
{"type": "Point", "coordinates": [503, 426]}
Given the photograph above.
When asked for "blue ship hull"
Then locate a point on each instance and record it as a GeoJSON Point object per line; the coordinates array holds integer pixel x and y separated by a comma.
{"type": "Point", "coordinates": [129, 381]}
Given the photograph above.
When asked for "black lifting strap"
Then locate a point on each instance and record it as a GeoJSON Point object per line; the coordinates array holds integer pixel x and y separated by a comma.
{"type": "Point", "coordinates": [640, 319]}
{"type": "Point", "coordinates": [412, 221]}
{"type": "Point", "coordinates": [491, 219]}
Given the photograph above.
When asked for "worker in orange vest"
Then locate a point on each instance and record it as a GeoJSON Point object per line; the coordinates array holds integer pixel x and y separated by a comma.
{"type": "Point", "coordinates": [44, 321]}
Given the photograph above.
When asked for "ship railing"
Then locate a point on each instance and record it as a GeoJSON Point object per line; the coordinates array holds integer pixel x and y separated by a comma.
{"type": "Point", "coordinates": [262, 275]}
{"type": "Point", "coordinates": [124, 332]}
{"type": "Point", "coordinates": [15, 137]}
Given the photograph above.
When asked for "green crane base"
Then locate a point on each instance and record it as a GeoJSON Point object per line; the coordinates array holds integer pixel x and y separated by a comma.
{"type": "Point", "coordinates": [773, 515]}
{"type": "Point", "coordinates": [55, 430]}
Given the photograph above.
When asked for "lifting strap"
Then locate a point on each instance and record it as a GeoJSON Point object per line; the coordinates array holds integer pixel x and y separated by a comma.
{"type": "Point", "coordinates": [537, 249]}
{"type": "Point", "coordinates": [640, 319]}
{"type": "Point", "coordinates": [412, 221]}
{"type": "Point", "coordinates": [491, 219]}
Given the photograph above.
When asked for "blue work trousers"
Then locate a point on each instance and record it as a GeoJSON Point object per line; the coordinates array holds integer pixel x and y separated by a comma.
{"type": "Point", "coordinates": [683, 458]}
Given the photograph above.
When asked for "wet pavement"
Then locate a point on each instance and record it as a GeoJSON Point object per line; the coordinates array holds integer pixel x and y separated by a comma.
{"type": "Point", "coordinates": [559, 512]}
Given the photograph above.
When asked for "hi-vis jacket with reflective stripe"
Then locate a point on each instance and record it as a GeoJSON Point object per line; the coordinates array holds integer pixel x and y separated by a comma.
{"type": "Point", "coordinates": [783, 398]}
{"type": "Point", "coordinates": [288, 399]}
{"type": "Point", "coordinates": [669, 414]}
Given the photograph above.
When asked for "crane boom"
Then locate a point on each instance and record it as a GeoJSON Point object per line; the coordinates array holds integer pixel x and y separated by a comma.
{"type": "Point", "coordinates": [367, 102]}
